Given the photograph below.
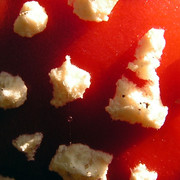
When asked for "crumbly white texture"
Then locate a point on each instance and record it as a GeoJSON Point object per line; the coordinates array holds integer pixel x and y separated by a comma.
{"type": "Point", "coordinates": [69, 83]}
{"type": "Point", "coordinates": [6, 178]}
{"type": "Point", "coordinates": [13, 91]}
{"type": "Point", "coordinates": [140, 172]}
{"type": "Point", "coordinates": [79, 162]}
{"type": "Point", "coordinates": [28, 143]}
{"type": "Point", "coordinates": [32, 19]}
{"type": "Point", "coordinates": [137, 105]}
{"type": "Point", "coordinates": [93, 10]}
{"type": "Point", "coordinates": [148, 54]}
{"type": "Point", "coordinates": [141, 105]}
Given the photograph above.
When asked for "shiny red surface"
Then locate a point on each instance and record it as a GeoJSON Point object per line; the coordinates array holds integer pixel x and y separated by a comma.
{"type": "Point", "coordinates": [104, 49]}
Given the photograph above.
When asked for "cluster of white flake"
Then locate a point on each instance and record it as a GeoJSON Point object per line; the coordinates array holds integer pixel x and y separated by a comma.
{"type": "Point", "coordinates": [69, 83]}
{"type": "Point", "coordinates": [32, 19]}
{"type": "Point", "coordinates": [93, 10]}
{"type": "Point", "coordinates": [142, 104]}
{"type": "Point", "coordinates": [13, 91]}
{"type": "Point", "coordinates": [78, 161]}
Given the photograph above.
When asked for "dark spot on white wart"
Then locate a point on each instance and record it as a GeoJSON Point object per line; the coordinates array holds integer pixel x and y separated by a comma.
{"type": "Point", "coordinates": [147, 105]}
{"type": "Point", "coordinates": [23, 13]}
